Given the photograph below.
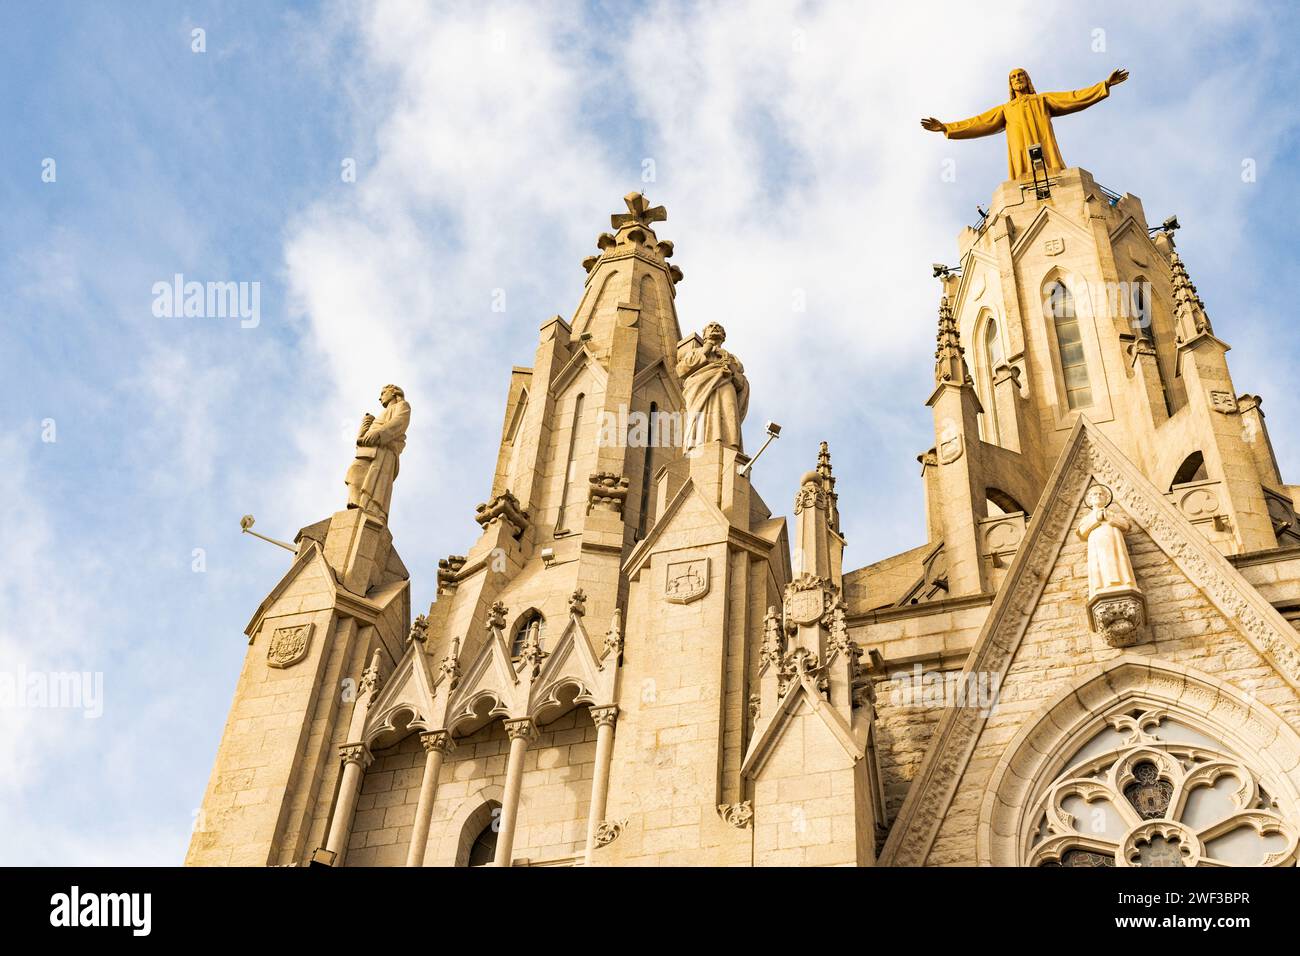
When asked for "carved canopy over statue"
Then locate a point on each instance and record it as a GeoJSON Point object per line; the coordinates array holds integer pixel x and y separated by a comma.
{"type": "Point", "coordinates": [1027, 119]}
{"type": "Point", "coordinates": [716, 391]}
{"type": "Point", "coordinates": [379, 445]}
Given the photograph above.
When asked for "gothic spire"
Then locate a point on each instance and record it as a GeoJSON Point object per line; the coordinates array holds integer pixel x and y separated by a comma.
{"type": "Point", "coordinates": [828, 479]}
{"type": "Point", "coordinates": [1189, 310]}
{"type": "Point", "coordinates": [949, 356]}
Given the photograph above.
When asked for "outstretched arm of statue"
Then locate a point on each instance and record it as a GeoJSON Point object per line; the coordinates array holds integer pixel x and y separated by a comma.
{"type": "Point", "coordinates": [985, 124]}
{"type": "Point", "coordinates": [1071, 101]}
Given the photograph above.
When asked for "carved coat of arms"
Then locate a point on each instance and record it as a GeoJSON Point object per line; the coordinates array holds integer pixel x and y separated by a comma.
{"type": "Point", "coordinates": [686, 581]}
{"type": "Point", "coordinates": [288, 645]}
{"type": "Point", "coordinates": [807, 599]}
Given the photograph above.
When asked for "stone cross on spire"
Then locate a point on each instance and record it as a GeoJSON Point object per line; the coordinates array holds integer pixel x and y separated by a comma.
{"type": "Point", "coordinates": [949, 356]}
{"type": "Point", "coordinates": [639, 211]}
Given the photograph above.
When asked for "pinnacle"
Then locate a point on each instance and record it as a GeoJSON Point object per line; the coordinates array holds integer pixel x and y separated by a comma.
{"type": "Point", "coordinates": [633, 230]}
{"type": "Point", "coordinates": [949, 356]}
{"type": "Point", "coordinates": [824, 461]}
{"type": "Point", "coordinates": [1187, 302]}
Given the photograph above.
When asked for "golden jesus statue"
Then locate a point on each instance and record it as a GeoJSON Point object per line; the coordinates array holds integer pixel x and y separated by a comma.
{"type": "Point", "coordinates": [1027, 118]}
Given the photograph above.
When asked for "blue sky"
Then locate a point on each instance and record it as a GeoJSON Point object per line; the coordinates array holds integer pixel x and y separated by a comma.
{"type": "Point", "coordinates": [491, 142]}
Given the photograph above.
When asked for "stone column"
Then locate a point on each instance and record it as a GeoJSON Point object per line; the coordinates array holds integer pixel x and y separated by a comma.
{"type": "Point", "coordinates": [604, 718]}
{"type": "Point", "coordinates": [437, 744]}
{"type": "Point", "coordinates": [521, 731]}
{"type": "Point", "coordinates": [356, 757]}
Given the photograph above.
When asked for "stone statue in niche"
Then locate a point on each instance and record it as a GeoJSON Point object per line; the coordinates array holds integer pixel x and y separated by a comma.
{"type": "Point", "coordinates": [379, 444]}
{"type": "Point", "coordinates": [1116, 605]}
{"type": "Point", "coordinates": [715, 389]}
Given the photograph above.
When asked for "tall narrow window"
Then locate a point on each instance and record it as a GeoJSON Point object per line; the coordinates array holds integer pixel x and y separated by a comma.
{"type": "Point", "coordinates": [531, 617]}
{"type": "Point", "coordinates": [1145, 317]}
{"type": "Point", "coordinates": [571, 463]}
{"type": "Point", "coordinates": [993, 347]}
{"type": "Point", "coordinates": [991, 359]}
{"type": "Point", "coordinates": [1058, 304]}
{"type": "Point", "coordinates": [647, 471]}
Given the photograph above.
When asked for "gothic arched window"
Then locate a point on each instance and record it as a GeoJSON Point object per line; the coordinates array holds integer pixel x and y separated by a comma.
{"type": "Point", "coordinates": [1151, 790]}
{"type": "Point", "coordinates": [1143, 318]}
{"type": "Point", "coordinates": [1059, 306]}
{"type": "Point", "coordinates": [991, 356]}
{"type": "Point", "coordinates": [1192, 469]}
{"type": "Point", "coordinates": [484, 848]}
{"type": "Point", "coordinates": [521, 631]}
{"type": "Point", "coordinates": [571, 464]}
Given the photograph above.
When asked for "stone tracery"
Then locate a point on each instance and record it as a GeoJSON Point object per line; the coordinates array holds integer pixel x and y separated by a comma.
{"type": "Point", "coordinates": [1158, 794]}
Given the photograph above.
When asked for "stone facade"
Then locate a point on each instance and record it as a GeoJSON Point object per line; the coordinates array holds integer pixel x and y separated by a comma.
{"type": "Point", "coordinates": [637, 663]}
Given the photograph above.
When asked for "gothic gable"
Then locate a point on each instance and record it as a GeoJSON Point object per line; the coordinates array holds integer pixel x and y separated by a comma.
{"type": "Point", "coordinates": [1037, 642]}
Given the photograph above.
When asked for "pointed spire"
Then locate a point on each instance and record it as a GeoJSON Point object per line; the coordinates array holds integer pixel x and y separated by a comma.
{"type": "Point", "coordinates": [1189, 310]}
{"type": "Point", "coordinates": [949, 356]}
{"type": "Point", "coordinates": [824, 462]}
{"type": "Point", "coordinates": [828, 479]}
{"type": "Point", "coordinates": [633, 230]}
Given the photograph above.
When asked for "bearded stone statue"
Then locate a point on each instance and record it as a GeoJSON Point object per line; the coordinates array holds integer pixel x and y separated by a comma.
{"type": "Point", "coordinates": [716, 391]}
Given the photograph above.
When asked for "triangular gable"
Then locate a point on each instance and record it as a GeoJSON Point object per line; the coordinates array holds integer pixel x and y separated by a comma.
{"type": "Point", "coordinates": [491, 674]}
{"type": "Point", "coordinates": [582, 358]}
{"type": "Point", "coordinates": [571, 661]}
{"type": "Point", "coordinates": [409, 687]}
{"type": "Point", "coordinates": [307, 557]}
{"type": "Point", "coordinates": [659, 369]}
{"type": "Point", "coordinates": [763, 742]}
{"type": "Point", "coordinates": [1088, 453]}
{"type": "Point", "coordinates": [641, 553]}
{"type": "Point", "coordinates": [968, 274]}
{"type": "Point", "coordinates": [1131, 226]}
{"type": "Point", "coordinates": [1035, 229]}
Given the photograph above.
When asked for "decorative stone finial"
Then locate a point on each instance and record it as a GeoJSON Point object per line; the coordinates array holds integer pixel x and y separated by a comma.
{"type": "Point", "coordinates": [419, 630]}
{"type": "Point", "coordinates": [370, 676]}
{"type": "Point", "coordinates": [828, 479]}
{"type": "Point", "coordinates": [450, 666]}
{"type": "Point", "coordinates": [949, 356]}
{"type": "Point", "coordinates": [639, 211]}
{"type": "Point", "coordinates": [1189, 310]}
{"type": "Point", "coordinates": [614, 636]}
{"type": "Point", "coordinates": [578, 603]}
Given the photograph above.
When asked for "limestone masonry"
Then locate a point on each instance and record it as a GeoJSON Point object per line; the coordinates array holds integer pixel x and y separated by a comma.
{"type": "Point", "coordinates": [1092, 659]}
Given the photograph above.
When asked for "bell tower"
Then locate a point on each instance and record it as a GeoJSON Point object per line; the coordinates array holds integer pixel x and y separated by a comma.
{"type": "Point", "coordinates": [1067, 304]}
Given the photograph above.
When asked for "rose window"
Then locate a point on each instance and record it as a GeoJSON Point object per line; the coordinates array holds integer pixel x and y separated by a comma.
{"type": "Point", "coordinates": [1153, 791]}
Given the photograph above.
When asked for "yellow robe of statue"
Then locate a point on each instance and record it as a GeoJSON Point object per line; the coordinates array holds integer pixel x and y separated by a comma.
{"type": "Point", "coordinates": [1027, 118]}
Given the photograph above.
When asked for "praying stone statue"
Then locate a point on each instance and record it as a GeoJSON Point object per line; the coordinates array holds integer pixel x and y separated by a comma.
{"type": "Point", "coordinates": [1116, 606]}
{"type": "Point", "coordinates": [716, 391]}
{"type": "Point", "coordinates": [1027, 119]}
{"type": "Point", "coordinates": [379, 444]}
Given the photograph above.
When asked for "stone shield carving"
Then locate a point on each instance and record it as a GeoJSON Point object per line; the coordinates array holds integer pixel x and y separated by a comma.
{"type": "Point", "coordinates": [686, 581]}
{"type": "Point", "coordinates": [289, 645]}
{"type": "Point", "coordinates": [807, 598]}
